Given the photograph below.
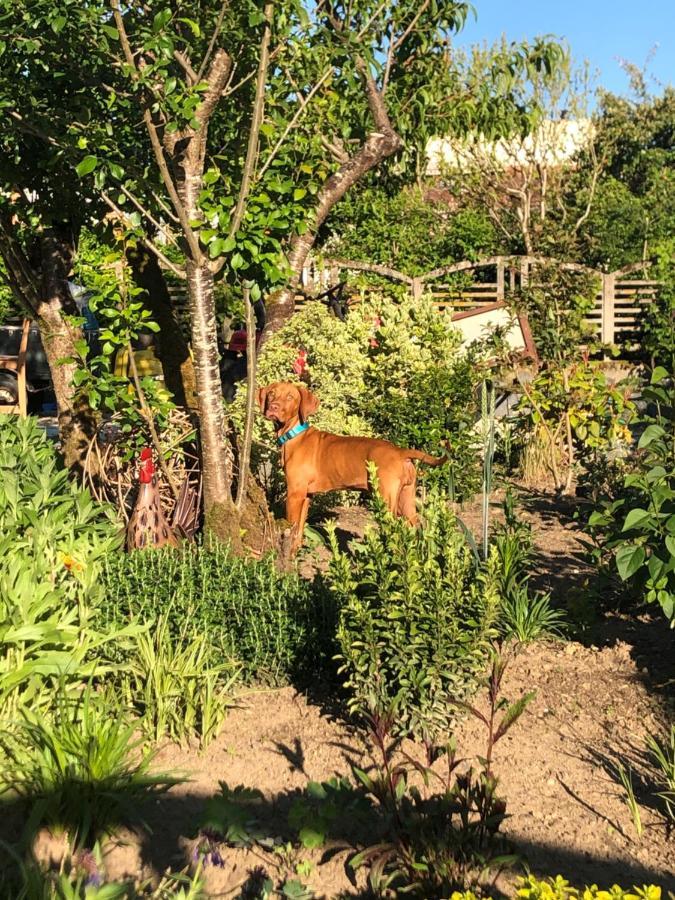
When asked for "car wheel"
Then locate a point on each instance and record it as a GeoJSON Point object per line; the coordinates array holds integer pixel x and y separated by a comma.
{"type": "Point", "coordinates": [9, 390]}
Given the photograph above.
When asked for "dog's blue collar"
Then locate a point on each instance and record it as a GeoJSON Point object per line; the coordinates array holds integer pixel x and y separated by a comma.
{"type": "Point", "coordinates": [292, 432]}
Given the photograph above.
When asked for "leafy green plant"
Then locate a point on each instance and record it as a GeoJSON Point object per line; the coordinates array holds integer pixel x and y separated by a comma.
{"type": "Point", "coordinates": [80, 771]}
{"type": "Point", "coordinates": [271, 624]}
{"type": "Point", "coordinates": [524, 616]}
{"type": "Point", "coordinates": [415, 617]}
{"type": "Point", "coordinates": [439, 840]}
{"type": "Point", "coordinates": [54, 540]}
{"type": "Point", "coordinates": [231, 818]}
{"type": "Point", "coordinates": [635, 533]}
{"type": "Point", "coordinates": [176, 690]}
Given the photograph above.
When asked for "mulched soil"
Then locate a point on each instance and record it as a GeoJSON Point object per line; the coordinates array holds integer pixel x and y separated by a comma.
{"type": "Point", "coordinates": [595, 702]}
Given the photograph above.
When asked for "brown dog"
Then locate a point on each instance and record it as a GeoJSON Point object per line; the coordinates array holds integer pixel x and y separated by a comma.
{"type": "Point", "coordinates": [317, 461]}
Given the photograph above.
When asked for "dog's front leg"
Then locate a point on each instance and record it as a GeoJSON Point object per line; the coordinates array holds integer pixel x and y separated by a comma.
{"type": "Point", "coordinates": [297, 507]}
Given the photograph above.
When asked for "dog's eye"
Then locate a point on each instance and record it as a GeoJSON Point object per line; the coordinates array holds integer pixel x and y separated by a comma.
{"type": "Point", "coordinates": [289, 396]}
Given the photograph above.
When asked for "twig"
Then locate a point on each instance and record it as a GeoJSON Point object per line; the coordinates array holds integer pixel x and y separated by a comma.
{"type": "Point", "coordinates": [256, 122]}
{"type": "Point", "coordinates": [245, 455]}
{"type": "Point", "coordinates": [304, 102]}
{"type": "Point", "coordinates": [149, 243]}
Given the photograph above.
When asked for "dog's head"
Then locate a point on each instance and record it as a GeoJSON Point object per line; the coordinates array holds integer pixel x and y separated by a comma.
{"type": "Point", "coordinates": [283, 401]}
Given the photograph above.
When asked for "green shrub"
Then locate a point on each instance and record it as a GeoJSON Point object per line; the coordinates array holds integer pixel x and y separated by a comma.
{"type": "Point", "coordinates": [416, 618]}
{"type": "Point", "coordinates": [635, 533]}
{"type": "Point", "coordinates": [422, 392]}
{"type": "Point", "coordinates": [78, 771]}
{"type": "Point", "coordinates": [407, 231]}
{"type": "Point", "coordinates": [53, 541]}
{"type": "Point", "coordinates": [254, 617]}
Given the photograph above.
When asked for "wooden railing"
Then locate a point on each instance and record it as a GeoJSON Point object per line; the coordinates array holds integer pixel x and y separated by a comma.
{"type": "Point", "coordinates": [619, 304]}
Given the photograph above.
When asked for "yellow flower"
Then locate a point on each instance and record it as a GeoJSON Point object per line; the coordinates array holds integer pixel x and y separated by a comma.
{"type": "Point", "coordinates": [71, 564]}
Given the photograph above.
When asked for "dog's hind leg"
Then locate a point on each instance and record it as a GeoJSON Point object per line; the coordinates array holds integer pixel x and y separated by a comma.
{"type": "Point", "coordinates": [406, 507]}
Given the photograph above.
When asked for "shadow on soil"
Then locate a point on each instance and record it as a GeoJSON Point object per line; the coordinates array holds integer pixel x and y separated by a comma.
{"type": "Point", "coordinates": [173, 821]}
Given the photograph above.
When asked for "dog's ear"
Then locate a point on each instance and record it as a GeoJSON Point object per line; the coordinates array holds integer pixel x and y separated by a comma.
{"type": "Point", "coordinates": [261, 397]}
{"type": "Point", "coordinates": [309, 403]}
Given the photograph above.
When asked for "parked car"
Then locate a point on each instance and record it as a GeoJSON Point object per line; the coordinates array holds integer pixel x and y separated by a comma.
{"type": "Point", "coordinates": [38, 378]}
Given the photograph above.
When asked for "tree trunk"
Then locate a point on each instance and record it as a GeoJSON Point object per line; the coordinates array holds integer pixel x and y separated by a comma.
{"type": "Point", "coordinates": [77, 422]}
{"type": "Point", "coordinates": [173, 351]}
{"type": "Point", "coordinates": [219, 510]}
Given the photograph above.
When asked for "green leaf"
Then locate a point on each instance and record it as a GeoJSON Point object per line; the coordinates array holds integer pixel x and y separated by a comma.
{"type": "Point", "coordinates": [58, 24]}
{"type": "Point", "coordinates": [161, 20]}
{"type": "Point", "coordinates": [635, 518]}
{"type": "Point", "coordinates": [311, 837]}
{"type": "Point", "coordinates": [659, 374]}
{"type": "Point", "coordinates": [111, 31]}
{"type": "Point", "coordinates": [650, 434]}
{"type": "Point", "coordinates": [87, 165]}
{"type": "Point", "coordinates": [628, 560]}
{"type": "Point", "coordinates": [670, 544]}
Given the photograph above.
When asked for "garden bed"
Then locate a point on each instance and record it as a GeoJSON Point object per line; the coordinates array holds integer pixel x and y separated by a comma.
{"type": "Point", "coordinates": [594, 704]}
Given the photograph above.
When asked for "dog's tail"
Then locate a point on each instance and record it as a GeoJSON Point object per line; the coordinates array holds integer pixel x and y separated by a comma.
{"type": "Point", "coordinates": [426, 458]}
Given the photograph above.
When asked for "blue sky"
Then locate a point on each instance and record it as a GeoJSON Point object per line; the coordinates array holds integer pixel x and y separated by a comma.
{"type": "Point", "coordinates": [597, 30]}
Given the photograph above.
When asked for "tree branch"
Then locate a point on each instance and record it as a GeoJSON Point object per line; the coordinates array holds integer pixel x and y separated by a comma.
{"type": "Point", "coordinates": [256, 122]}
{"type": "Point", "coordinates": [150, 244]}
{"type": "Point", "coordinates": [304, 102]}
{"type": "Point", "coordinates": [185, 65]}
{"type": "Point", "coordinates": [192, 242]}
{"type": "Point", "coordinates": [214, 38]}
{"type": "Point", "coordinates": [216, 79]}
{"type": "Point", "coordinates": [139, 206]}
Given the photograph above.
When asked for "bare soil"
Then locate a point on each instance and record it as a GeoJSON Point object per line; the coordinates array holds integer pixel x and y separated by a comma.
{"type": "Point", "coordinates": [594, 703]}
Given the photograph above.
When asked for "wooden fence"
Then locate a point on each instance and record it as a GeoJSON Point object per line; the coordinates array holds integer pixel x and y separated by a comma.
{"type": "Point", "coordinates": [619, 304]}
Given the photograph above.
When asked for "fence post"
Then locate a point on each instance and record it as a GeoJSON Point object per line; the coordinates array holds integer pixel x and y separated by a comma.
{"type": "Point", "coordinates": [500, 280]}
{"type": "Point", "coordinates": [524, 272]}
{"type": "Point", "coordinates": [607, 319]}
